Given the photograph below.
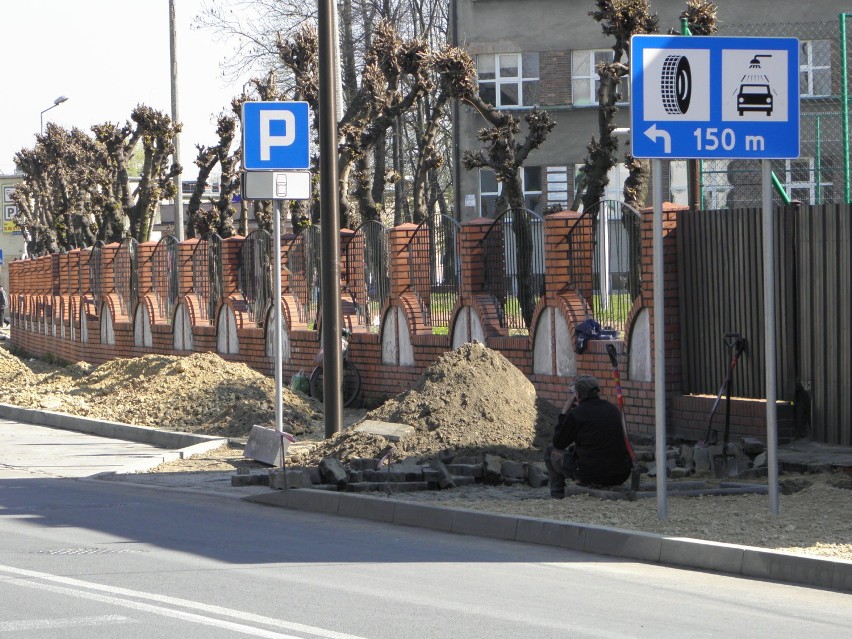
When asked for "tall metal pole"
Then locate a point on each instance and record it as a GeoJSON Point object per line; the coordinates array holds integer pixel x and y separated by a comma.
{"type": "Point", "coordinates": [179, 234]}
{"type": "Point", "coordinates": [330, 219]}
{"type": "Point", "coordinates": [659, 340]}
{"type": "Point", "coordinates": [769, 332]}
{"type": "Point", "coordinates": [279, 320]}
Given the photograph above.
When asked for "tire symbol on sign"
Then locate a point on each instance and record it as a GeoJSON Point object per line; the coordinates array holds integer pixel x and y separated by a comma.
{"type": "Point", "coordinates": [676, 82]}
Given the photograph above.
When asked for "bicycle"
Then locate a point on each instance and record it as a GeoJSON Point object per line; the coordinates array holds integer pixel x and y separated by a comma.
{"type": "Point", "coordinates": [351, 383]}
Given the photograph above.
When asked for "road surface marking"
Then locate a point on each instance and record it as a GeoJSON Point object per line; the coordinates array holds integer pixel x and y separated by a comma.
{"type": "Point", "coordinates": [78, 588]}
{"type": "Point", "coordinates": [68, 622]}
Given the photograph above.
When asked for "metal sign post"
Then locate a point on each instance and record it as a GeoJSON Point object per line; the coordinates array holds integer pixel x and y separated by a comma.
{"type": "Point", "coordinates": [703, 97]}
{"type": "Point", "coordinates": [275, 159]}
{"type": "Point", "coordinates": [659, 341]}
{"type": "Point", "coordinates": [769, 331]}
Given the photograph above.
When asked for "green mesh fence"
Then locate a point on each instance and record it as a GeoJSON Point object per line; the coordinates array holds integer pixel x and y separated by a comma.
{"type": "Point", "coordinates": [819, 175]}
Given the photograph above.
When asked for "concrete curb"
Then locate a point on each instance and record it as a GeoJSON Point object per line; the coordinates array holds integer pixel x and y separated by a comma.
{"type": "Point", "coordinates": [183, 444]}
{"type": "Point", "coordinates": [745, 561]}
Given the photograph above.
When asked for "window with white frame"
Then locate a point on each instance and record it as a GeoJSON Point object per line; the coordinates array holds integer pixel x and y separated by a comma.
{"type": "Point", "coordinates": [585, 79]}
{"type": "Point", "coordinates": [490, 190]}
{"type": "Point", "coordinates": [616, 177]}
{"type": "Point", "coordinates": [508, 80]}
{"type": "Point", "coordinates": [803, 184]}
{"type": "Point", "coordinates": [815, 68]}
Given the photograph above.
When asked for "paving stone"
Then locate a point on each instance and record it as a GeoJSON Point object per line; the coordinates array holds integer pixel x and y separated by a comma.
{"type": "Point", "coordinates": [701, 458]}
{"type": "Point", "coordinates": [537, 476]}
{"type": "Point", "coordinates": [466, 470]}
{"type": "Point", "coordinates": [463, 480]}
{"type": "Point", "coordinates": [363, 463]}
{"type": "Point", "coordinates": [333, 472]}
{"type": "Point", "coordinates": [391, 431]}
{"type": "Point", "coordinates": [491, 469]}
{"type": "Point", "coordinates": [467, 459]}
{"type": "Point", "coordinates": [752, 446]}
{"type": "Point", "coordinates": [444, 478]}
{"type": "Point", "coordinates": [246, 480]}
{"type": "Point", "coordinates": [513, 470]}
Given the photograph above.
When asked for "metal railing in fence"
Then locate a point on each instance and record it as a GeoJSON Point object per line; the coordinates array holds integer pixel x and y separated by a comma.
{"type": "Point", "coordinates": [125, 275]}
{"type": "Point", "coordinates": [365, 275]}
{"type": "Point", "coordinates": [434, 268]}
{"type": "Point", "coordinates": [254, 277]}
{"type": "Point", "coordinates": [615, 257]}
{"type": "Point", "coordinates": [513, 265]}
{"type": "Point", "coordinates": [207, 275]}
{"type": "Point", "coordinates": [164, 276]}
{"type": "Point", "coordinates": [303, 279]}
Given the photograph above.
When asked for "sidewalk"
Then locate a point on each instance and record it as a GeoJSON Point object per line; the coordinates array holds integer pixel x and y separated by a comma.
{"type": "Point", "coordinates": [119, 461]}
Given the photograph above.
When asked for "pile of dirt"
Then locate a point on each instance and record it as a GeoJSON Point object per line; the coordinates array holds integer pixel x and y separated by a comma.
{"type": "Point", "coordinates": [471, 400]}
{"type": "Point", "coordinates": [201, 393]}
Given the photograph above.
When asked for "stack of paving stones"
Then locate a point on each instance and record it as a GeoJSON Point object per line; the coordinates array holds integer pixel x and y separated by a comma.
{"type": "Point", "coordinates": [371, 475]}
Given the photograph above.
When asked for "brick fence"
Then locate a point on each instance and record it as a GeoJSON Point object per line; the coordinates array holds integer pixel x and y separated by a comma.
{"type": "Point", "coordinates": [53, 311]}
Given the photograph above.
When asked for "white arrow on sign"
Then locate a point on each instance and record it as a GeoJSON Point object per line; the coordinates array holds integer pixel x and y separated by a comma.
{"type": "Point", "coordinates": [654, 134]}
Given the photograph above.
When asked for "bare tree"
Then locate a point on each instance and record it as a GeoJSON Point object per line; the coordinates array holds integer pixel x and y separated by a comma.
{"type": "Point", "coordinates": [77, 188]}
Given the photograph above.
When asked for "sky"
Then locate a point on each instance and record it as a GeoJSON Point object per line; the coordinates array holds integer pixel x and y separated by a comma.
{"type": "Point", "coordinates": [107, 56]}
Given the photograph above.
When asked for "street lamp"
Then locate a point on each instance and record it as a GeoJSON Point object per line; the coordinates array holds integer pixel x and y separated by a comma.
{"type": "Point", "coordinates": [56, 103]}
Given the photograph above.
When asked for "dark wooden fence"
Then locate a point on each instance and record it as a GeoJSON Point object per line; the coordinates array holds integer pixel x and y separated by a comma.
{"type": "Point", "coordinates": [720, 266]}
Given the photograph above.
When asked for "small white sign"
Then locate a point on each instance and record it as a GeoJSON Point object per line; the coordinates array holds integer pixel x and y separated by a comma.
{"type": "Point", "coordinates": [277, 185]}
{"type": "Point", "coordinates": [470, 200]}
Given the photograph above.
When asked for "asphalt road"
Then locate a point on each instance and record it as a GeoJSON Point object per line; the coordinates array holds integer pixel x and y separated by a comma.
{"type": "Point", "coordinates": [84, 558]}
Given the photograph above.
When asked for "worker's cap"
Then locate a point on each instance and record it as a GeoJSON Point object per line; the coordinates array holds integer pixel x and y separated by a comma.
{"type": "Point", "coordinates": [586, 386]}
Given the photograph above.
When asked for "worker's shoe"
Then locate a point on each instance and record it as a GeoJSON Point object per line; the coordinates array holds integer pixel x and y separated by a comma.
{"type": "Point", "coordinates": [557, 495]}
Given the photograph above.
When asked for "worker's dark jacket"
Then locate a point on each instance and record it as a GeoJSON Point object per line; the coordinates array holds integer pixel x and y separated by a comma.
{"type": "Point", "coordinates": [600, 455]}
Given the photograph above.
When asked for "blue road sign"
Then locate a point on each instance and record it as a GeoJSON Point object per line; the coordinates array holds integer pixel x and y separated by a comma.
{"type": "Point", "coordinates": [276, 136]}
{"type": "Point", "coordinates": [714, 97]}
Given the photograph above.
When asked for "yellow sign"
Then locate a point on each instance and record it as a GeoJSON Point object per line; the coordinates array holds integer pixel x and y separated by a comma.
{"type": "Point", "coordinates": [10, 227]}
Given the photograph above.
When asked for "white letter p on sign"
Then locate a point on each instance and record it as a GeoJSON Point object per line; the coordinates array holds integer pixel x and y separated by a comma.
{"type": "Point", "coordinates": [267, 140]}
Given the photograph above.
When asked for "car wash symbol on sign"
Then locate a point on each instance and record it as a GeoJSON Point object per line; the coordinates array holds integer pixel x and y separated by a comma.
{"type": "Point", "coordinates": [714, 97]}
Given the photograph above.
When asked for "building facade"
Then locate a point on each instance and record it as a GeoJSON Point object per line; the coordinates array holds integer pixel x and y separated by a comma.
{"type": "Point", "coordinates": [544, 52]}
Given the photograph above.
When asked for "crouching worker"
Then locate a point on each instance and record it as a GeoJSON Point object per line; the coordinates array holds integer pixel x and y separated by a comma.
{"type": "Point", "coordinates": [588, 443]}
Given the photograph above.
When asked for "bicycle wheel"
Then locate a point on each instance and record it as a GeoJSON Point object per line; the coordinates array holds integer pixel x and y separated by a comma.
{"type": "Point", "coordinates": [351, 383]}
{"type": "Point", "coordinates": [316, 384]}
{"type": "Point", "coordinates": [350, 387]}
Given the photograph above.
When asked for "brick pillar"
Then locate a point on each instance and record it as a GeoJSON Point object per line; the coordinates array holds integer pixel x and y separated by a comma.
{"type": "Point", "coordinates": [671, 296]}
{"type": "Point", "coordinates": [80, 260]}
{"type": "Point", "coordinates": [43, 274]}
{"type": "Point", "coordinates": [54, 274]}
{"type": "Point", "coordinates": [63, 276]}
{"type": "Point", "coordinates": [398, 269]}
{"type": "Point", "coordinates": [231, 248]}
{"type": "Point", "coordinates": [108, 267]}
{"type": "Point", "coordinates": [144, 263]}
{"type": "Point", "coordinates": [473, 256]}
{"type": "Point", "coordinates": [567, 261]}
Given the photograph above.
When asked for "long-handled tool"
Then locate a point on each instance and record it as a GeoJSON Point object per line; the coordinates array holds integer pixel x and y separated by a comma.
{"type": "Point", "coordinates": [725, 465]}
{"type": "Point", "coordinates": [613, 358]}
{"type": "Point", "coordinates": [736, 345]}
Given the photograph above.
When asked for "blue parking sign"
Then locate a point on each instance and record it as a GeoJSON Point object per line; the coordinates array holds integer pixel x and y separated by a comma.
{"type": "Point", "coordinates": [276, 136]}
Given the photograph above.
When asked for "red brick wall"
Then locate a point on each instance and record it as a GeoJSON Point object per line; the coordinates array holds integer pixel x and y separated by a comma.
{"type": "Point", "coordinates": [31, 280]}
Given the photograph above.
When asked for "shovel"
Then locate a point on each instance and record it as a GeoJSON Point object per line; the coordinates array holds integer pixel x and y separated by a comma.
{"type": "Point", "coordinates": [725, 465]}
